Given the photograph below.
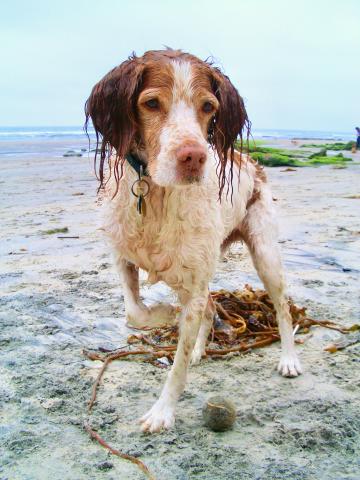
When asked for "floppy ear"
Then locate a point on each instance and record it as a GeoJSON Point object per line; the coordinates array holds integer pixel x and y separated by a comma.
{"type": "Point", "coordinates": [112, 109]}
{"type": "Point", "coordinates": [228, 124]}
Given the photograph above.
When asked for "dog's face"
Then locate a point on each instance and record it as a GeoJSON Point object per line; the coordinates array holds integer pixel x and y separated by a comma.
{"type": "Point", "coordinates": [175, 109]}
{"type": "Point", "coordinates": [167, 107]}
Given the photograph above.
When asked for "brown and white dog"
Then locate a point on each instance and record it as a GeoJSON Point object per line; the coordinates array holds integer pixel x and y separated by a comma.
{"type": "Point", "coordinates": [178, 117]}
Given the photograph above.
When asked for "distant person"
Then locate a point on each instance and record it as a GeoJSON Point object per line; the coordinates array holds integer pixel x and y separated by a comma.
{"type": "Point", "coordinates": [357, 138]}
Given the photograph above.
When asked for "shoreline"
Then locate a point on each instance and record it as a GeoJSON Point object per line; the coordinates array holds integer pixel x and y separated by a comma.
{"type": "Point", "coordinates": [58, 148]}
{"type": "Point", "coordinates": [40, 140]}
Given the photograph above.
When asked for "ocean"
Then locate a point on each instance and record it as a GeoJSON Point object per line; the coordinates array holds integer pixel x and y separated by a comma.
{"type": "Point", "coordinates": [57, 140]}
{"type": "Point", "coordinates": [53, 141]}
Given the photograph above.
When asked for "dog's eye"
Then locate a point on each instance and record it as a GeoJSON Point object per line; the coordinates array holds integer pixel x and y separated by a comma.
{"type": "Point", "coordinates": [208, 107]}
{"type": "Point", "coordinates": [153, 104]}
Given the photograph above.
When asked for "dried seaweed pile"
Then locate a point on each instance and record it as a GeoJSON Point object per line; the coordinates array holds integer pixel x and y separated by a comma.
{"type": "Point", "coordinates": [246, 320]}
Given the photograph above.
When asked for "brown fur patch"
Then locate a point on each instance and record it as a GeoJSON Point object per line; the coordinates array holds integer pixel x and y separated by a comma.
{"type": "Point", "coordinates": [259, 169]}
{"type": "Point", "coordinates": [254, 197]}
{"type": "Point", "coordinates": [157, 84]}
{"type": "Point", "coordinates": [234, 236]}
{"type": "Point", "coordinates": [186, 349]}
{"type": "Point", "coordinates": [260, 172]}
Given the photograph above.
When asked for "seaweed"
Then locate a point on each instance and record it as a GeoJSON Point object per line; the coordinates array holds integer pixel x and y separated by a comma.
{"type": "Point", "coordinates": [321, 160]}
{"type": "Point", "coordinates": [277, 157]}
{"type": "Point", "coordinates": [55, 230]}
{"type": "Point", "coordinates": [280, 160]}
{"type": "Point", "coordinates": [321, 153]}
{"type": "Point", "coordinates": [331, 146]}
{"type": "Point", "coordinates": [275, 160]}
{"type": "Point", "coordinates": [246, 320]}
{"type": "Point", "coordinates": [95, 436]}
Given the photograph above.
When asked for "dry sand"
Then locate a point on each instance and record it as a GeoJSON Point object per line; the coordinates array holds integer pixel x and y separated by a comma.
{"type": "Point", "coordinates": [60, 295]}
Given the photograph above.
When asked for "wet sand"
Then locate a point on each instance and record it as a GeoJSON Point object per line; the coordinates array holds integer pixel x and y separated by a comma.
{"type": "Point", "coordinates": [60, 295]}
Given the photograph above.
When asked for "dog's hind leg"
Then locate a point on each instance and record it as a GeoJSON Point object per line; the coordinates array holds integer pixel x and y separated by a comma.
{"type": "Point", "coordinates": [139, 315]}
{"type": "Point", "coordinates": [259, 231]}
{"type": "Point", "coordinates": [162, 414]}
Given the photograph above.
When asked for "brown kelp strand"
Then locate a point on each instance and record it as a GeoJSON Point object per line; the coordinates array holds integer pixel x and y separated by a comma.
{"type": "Point", "coordinates": [95, 436]}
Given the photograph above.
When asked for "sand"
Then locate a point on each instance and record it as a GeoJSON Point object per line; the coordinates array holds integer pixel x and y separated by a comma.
{"type": "Point", "coordinates": [60, 295]}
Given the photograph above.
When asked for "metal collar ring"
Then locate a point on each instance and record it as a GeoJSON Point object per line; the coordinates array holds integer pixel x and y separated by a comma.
{"type": "Point", "coordinates": [140, 184]}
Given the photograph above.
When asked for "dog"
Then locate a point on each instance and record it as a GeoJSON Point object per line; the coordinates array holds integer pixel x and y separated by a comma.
{"type": "Point", "coordinates": [178, 195]}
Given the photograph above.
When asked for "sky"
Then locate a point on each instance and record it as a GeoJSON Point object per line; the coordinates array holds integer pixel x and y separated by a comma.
{"type": "Point", "coordinates": [296, 64]}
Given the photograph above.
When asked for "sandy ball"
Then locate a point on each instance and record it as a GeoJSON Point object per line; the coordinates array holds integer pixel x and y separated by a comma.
{"type": "Point", "coordinates": [219, 414]}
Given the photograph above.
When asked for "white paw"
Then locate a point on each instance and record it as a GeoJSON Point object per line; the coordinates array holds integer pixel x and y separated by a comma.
{"type": "Point", "coordinates": [162, 314]}
{"type": "Point", "coordinates": [138, 318]}
{"type": "Point", "coordinates": [160, 417]}
{"type": "Point", "coordinates": [289, 365]}
{"type": "Point", "coordinates": [196, 356]}
{"type": "Point", "coordinates": [155, 316]}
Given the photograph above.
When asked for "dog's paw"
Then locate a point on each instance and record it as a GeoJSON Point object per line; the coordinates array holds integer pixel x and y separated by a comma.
{"type": "Point", "coordinates": [162, 314]}
{"type": "Point", "coordinates": [138, 318]}
{"type": "Point", "coordinates": [155, 316]}
{"type": "Point", "coordinates": [196, 356]}
{"type": "Point", "coordinates": [160, 417]}
{"type": "Point", "coordinates": [289, 365]}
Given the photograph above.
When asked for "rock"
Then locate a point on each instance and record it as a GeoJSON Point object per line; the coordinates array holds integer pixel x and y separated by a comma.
{"type": "Point", "coordinates": [51, 404]}
{"type": "Point", "coordinates": [104, 466]}
{"type": "Point", "coordinates": [72, 153]}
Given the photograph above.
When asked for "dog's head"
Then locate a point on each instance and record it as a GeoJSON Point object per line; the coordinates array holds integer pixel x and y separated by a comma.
{"type": "Point", "coordinates": [167, 107]}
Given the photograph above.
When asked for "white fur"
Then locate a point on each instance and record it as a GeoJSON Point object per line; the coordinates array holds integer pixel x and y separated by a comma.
{"type": "Point", "coordinates": [182, 81]}
{"type": "Point", "coordinates": [181, 127]}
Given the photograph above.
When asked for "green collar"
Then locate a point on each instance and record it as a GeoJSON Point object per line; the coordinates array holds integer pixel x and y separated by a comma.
{"type": "Point", "coordinates": [137, 164]}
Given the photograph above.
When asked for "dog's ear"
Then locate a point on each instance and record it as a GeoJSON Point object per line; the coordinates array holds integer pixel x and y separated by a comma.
{"type": "Point", "coordinates": [112, 109]}
{"type": "Point", "coordinates": [228, 124]}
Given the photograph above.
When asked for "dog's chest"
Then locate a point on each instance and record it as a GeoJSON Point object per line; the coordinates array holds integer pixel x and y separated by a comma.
{"type": "Point", "coordinates": [177, 240]}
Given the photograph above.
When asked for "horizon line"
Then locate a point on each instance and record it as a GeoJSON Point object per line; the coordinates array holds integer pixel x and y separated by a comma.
{"type": "Point", "coordinates": [254, 128]}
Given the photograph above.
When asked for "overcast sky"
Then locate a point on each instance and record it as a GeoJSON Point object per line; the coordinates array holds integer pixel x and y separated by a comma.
{"type": "Point", "coordinates": [296, 63]}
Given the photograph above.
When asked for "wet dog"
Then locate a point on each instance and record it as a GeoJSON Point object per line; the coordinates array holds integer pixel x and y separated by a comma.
{"type": "Point", "coordinates": [178, 195]}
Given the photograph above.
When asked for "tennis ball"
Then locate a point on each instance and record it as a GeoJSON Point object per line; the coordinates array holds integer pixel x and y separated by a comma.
{"type": "Point", "coordinates": [218, 413]}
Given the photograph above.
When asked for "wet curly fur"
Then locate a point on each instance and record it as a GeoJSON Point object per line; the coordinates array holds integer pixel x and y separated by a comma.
{"type": "Point", "coordinates": [181, 116]}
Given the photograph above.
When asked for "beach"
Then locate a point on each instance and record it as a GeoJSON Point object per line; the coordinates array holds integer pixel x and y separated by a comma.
{"type": "Point", "coordinates": [61, 293]}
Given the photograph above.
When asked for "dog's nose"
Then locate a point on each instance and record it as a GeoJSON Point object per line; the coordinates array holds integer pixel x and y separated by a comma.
{"type": "Point", "coordinates": [191, 157]}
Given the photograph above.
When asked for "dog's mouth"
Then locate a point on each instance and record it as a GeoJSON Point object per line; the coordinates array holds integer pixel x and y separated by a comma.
{"type": "Point", "coordinates": [191, 179]}
{"type": "Point", "coordinates": [166, 177]}
{"type": "Point", "coordinates": [181, 180]}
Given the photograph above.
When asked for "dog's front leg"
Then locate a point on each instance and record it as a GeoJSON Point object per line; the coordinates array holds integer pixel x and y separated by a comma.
{"type": "Point", "coordinates": [137, 313]}
{"type": "Point", "coordinates": [162, 414]}
{"type": "Point", "coordinates": [204, 331]}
